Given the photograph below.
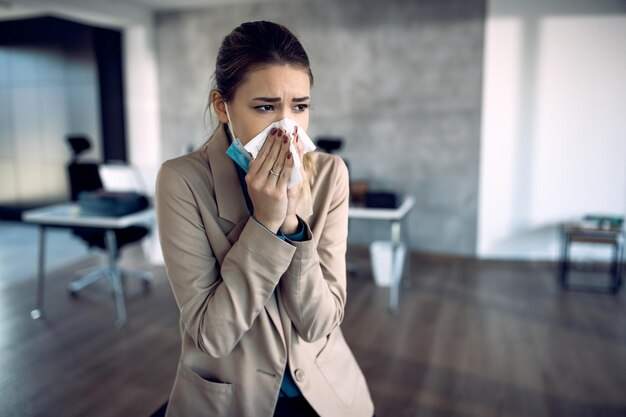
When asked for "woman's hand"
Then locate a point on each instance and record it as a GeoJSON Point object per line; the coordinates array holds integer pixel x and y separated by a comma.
{"type": "Point", "coordinates": [294, 194]}
{"type": "Point", "coordinates": [267, 180]}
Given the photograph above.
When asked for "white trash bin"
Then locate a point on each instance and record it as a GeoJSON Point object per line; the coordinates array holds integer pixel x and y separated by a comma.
{"type": "Point", "coordinates": [381, 254]}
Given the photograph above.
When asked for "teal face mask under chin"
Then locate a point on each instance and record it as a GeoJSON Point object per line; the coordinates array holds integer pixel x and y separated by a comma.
{"type": "Point", "coordinates": [236, 151]}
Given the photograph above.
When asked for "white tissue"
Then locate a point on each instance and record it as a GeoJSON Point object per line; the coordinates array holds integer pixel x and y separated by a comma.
{"type": "Point", "coordinates": [255, 144]}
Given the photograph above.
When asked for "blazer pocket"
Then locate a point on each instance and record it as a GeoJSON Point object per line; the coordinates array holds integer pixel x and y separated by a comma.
{"type": "Point", "coordinates": [193, 394]}
{"type": "Point", "coordinates": [339, 367]}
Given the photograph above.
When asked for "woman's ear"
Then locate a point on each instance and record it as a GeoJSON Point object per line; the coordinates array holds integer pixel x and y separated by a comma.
{"type": "Point", "coordinates": [219, 105]}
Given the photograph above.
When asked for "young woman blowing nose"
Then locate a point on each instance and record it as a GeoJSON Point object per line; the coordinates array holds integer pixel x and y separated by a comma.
{"type": "Point", "coordinates": [253, 229]}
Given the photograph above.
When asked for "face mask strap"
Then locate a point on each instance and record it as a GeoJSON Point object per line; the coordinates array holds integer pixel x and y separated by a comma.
{"type": "Point", "coordinates": [230, 123]}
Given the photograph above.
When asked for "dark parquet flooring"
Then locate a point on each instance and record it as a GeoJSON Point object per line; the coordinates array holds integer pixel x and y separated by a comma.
{"type": "Point", "coordinates": [471, 338]}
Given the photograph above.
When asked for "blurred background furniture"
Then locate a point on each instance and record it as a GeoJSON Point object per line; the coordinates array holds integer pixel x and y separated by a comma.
{"type": "Point", "coordinates": [102, 229]}
{"type": "Point", "coordinates": [82, 175]}
{"type": "Point", "coordinates": [69, 215]}
{"type": "Point", "coordinates": [329, 144]}
{"type": "Point", "coordinates": [592, 231]}
{"type": "Point", "coordinates": [395, 248]}
{"type": "Point", "coordinates": [86, 177]}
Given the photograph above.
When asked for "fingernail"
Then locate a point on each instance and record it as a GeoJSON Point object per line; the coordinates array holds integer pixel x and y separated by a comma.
{"type": "Point", "coordinates": [289, 155]}
{"type": "Point", "coordinates": [285, 140]}
{"type": "Point", "coordinates": [295, 129]}
{"type": "Point", "coordinates": [296, 139]}
{"type": "Point", "coordinates": [273, 131]}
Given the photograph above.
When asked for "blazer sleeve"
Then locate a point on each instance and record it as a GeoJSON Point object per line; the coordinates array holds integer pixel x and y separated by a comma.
{"type": "Point", "coordinates": [217, 304]}
{"type": "Point", "coordinates": [313, 289]}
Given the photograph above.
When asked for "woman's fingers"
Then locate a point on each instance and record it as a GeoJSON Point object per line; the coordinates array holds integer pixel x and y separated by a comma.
{"type": "Point", "coordinates": [269, 163]}
{"type": "Point", "coordinates": [280, 160]}
{"type": "Point", "coordinates": [257, 163]}
{"type": "Point", "coordinates": [273, 161]}
{"type": "Point", "coordinates": [285, 175]}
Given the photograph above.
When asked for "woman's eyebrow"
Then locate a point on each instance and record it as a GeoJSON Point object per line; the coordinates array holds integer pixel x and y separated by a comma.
{"type": "Point", "coordinates": [267, 99]}
{"type": "Point", "coordinates": [277, 99]}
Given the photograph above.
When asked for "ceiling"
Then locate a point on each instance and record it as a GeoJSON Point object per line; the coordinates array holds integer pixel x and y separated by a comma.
{"type": "Point", "coordinates": [149, 5]}
{"type": "Point", "coordinates": [182, 4]}
{"type": "Point", "coordinates": [114, 13]}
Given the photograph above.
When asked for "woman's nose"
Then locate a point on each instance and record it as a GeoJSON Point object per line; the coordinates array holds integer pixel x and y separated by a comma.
{"type": "Point", "coordinates": [281, 114]}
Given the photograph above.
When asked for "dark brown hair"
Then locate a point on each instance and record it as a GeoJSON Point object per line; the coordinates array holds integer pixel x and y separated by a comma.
{"type": "Point", "coordinates": [253, 45]}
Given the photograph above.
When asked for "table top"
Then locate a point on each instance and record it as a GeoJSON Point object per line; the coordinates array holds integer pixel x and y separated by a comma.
{"type": "Point", "coordinates": [382, 213]}
{"type": "Point", "coordinates": [69, 215]}
{"type": "Point", "coordinates": [589, 228]}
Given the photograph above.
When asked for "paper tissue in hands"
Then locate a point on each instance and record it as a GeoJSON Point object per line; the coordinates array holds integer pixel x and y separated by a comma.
{"type": "Point", "coordinates": [254, 146]}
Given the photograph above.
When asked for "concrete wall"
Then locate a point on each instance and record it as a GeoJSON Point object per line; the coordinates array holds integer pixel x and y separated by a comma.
{"type": "Point", "coordinates": [553, 145]}
{"type": "Point", "coordinates": [399, 80]}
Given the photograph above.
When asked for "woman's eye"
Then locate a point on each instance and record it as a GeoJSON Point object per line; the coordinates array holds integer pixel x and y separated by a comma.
{"type": "Point", "coordinates": [301, 107]}
{"type": "Point", "coordinates": [265, 108]}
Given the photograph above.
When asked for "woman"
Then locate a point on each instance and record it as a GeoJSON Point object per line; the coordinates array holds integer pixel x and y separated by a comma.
{"type": "Point", "coordinates": [257, 267]}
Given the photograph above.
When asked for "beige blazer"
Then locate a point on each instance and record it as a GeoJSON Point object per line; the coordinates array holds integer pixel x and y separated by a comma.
{"type": "Point", "coordinates": [250, 302]}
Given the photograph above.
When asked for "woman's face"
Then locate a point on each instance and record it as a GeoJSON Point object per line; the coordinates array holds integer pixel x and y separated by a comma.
{"type": "Point", "coordinates": [267, 95]}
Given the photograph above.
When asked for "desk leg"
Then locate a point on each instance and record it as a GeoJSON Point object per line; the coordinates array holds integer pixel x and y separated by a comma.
{"type": "Point", "coordinates": [396, 270]}
{"type": "Point", "coordinates": [619, 260]}
{"type": "Point", "coordinates": [37, 313]}
{"type": "Point", "coordinates": [116, 279]}
{"type": "Point", "coordinates": [565, 261]}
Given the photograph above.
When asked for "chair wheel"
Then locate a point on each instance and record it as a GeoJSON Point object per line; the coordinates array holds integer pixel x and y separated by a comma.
{"type": "Point", "coordinates": [146, 284]}
{"type": "Point", "coordinates": [72, 293]}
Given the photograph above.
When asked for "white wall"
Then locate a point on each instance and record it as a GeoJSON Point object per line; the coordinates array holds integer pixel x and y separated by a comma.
{"type": "Point", "coordinates": [142, 102]}
{"type": "Point", "coordinates": [142, 107]}
{"type": "Point", "coordinates": [553, 130]}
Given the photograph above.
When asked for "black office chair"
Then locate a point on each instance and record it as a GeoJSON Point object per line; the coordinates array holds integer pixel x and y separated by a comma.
{"type": "Point", "coordinates": [84, 176]}
{"type": "Point", "coordinates": [329, 144]}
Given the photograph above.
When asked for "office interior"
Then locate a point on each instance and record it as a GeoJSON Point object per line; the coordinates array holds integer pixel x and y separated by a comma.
{"type": "Point", "coordinates": [503, 120]}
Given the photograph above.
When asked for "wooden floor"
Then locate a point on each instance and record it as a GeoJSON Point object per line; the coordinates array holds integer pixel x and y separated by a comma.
{"type": "Point", "coordinates": [471, 339]}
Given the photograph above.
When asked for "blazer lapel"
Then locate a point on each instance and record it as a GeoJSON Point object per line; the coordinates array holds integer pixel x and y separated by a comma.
{"type": "Point", "coordinates": [231, 204]}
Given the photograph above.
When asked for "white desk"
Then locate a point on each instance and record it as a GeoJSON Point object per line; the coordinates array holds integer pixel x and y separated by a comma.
{"type": "Point", "coordinates": [69, 216]}
{"type": "Point", "coordinates": [396, 217]}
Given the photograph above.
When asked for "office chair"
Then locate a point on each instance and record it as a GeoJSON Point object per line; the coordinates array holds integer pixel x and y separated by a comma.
{"type": "Point", "coordinates": [85, 176]}
{"type": "Point", "coordinates": [329, 144]}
